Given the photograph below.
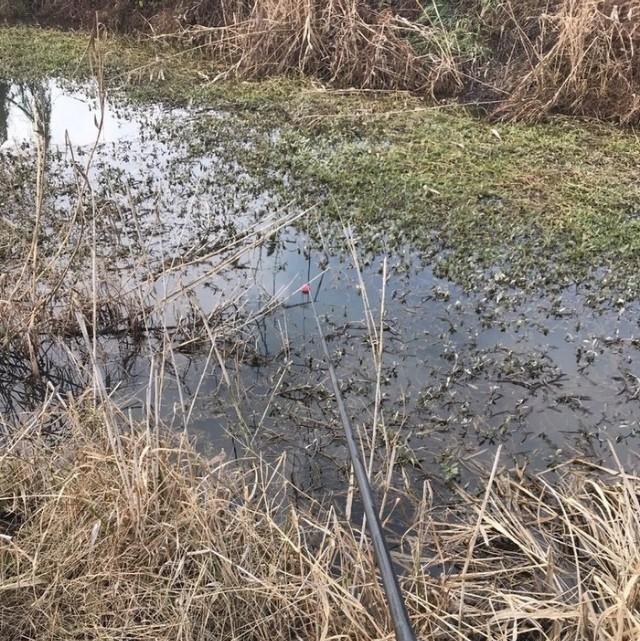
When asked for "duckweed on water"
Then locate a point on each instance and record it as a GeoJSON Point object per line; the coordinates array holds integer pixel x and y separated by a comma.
{"type": "Point", "coordinates": [545, 204]}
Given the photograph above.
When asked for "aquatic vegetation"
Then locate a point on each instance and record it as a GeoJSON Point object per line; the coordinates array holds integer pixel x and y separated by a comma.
{"type": "Point", "coordinates": [543, 204]}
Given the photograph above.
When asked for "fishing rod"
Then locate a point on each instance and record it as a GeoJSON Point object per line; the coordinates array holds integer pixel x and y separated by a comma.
{"type": "Point", "coordinates": [399, 616]}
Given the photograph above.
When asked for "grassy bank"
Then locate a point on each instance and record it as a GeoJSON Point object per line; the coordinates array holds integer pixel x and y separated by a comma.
{"type": "Point", "coordinates": [120, 531]}
{"type": "Point", "coordinates": [523, 60]}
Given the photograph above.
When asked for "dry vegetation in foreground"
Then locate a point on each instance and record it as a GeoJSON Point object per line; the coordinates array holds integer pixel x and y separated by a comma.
{"type": "Point", "coordinates": [120, 531]}
{"type": "Point", "coordinates": [527, 59]}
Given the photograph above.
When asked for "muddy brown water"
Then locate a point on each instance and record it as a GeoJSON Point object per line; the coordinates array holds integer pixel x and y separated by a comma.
{"type": "Point", "coordinates": [545, 375]}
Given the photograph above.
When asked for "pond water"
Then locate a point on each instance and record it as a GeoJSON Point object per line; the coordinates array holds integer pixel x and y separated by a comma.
{"type": "Point", "coordinates": [547, 376]}
{"type": "Point", "coordinates": [64, 115]}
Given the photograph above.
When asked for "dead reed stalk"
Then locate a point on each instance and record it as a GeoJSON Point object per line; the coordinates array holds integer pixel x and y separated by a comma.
{"type": "Point", "coordinates": [571, 56]}
{"type": "Point", "coordinates": [344, 42]}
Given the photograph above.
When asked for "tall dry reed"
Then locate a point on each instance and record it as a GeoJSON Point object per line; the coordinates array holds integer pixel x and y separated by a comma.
{"type": "Point", "coordinates": [570, 56]}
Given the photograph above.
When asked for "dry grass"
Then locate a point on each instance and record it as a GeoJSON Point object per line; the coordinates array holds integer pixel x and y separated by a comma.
{"type": "Point", "coordinates": [343, 42]}
{"type": "Point", "coordinates": [533, 57]}
{"type": "Point", "coordinates": [117, 530]}
{"type": "Point", "coordinates": [558, 560]}
{"type": "Point", "coordinates": [570, 56]}
{"type": "Point", "coordinates": [348, 43]}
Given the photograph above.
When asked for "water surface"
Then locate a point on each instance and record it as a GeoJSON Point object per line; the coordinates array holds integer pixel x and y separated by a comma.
{"type": "Point", "coordinates": [545, 375]}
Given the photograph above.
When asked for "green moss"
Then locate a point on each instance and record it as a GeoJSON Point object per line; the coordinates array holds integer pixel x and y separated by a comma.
{"type": "Point", "coordinates": [28, 52]}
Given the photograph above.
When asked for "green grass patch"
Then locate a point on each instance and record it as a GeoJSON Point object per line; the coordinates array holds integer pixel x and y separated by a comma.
{"type": "Point", "coordinates": [146, 69]}
{"type": "Point", "coordinates": [29, 52]}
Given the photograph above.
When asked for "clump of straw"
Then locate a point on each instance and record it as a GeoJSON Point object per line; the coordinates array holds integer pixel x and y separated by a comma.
{"type": "Point", "coordinates": [571, 56]}
{"type": "Point", "coordinates": [115, 530]}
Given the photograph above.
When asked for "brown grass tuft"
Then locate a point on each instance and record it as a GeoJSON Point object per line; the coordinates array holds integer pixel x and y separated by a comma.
{"type": "Point", "coordinates": [343, 42]}
{"type": "Point", "coordinates": [571, 56]}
